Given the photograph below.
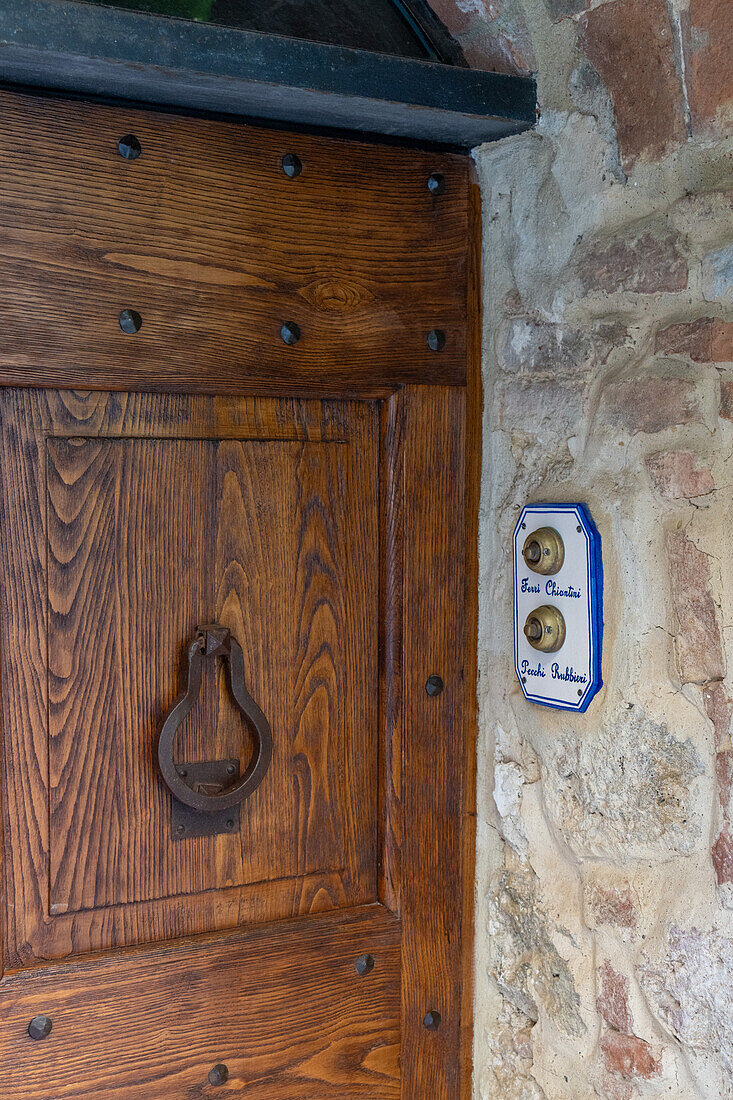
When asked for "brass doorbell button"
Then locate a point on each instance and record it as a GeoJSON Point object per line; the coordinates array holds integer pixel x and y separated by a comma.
{"type": "Point", "coordinates": [543, 551]}
{"type": "Point", "coordinates": [545, 629]}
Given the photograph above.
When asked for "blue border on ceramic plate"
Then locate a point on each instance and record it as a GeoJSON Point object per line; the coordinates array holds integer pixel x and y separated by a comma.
{"type": "Point", "coordinates": [594, 572]}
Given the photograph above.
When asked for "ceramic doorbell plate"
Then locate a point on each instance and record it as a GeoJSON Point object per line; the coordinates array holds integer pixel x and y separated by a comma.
{"type": "Point", "coordinates": [558, 605]}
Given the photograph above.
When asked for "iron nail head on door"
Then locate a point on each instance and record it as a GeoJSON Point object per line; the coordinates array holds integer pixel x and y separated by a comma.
{"type": "Point", "coordinates": [290, 333]}
{"type": "Point", "coordinates": [129, 147]}
{"type": "Point", "coordinates": [40, 1027]}
{"type": "Point", "coordinates": [292, 165]}
{"type": "Point", "coordinates": [130, 321]}
{"type": "Point", "coordinates": [219, 1074]}
{"type": "Point", "coordinates": [364, 965]}
{"type": "Point", "coordinates": [434, 686]}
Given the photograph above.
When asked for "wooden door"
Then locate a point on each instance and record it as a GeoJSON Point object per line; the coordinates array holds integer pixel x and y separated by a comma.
{"type": "Point", "coordinates": [313, 500]}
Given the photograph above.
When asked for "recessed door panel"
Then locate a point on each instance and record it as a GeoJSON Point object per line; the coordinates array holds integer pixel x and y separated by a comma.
{"type": "Point", "coordinates": [137, 540]}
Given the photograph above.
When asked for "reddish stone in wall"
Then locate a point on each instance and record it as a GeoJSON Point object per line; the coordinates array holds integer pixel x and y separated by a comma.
{"type": "Point", "coordinates": [629, 1056]}
{"type": "Point", "coordinates": [706, 340]}
{"type": "Point", "coordinates": [693, 339]}
{"type": "Point", "coordinates": [676, 475]}
{"type": "Point", "coordinates": [719, 708]}
{"type": "Point", "coordinates": [698, 646]}
{"type": "Point", "coordinates": [707, 31]}
{"type": "Point", "coordinates": [631, 45]}
{"type": "Point", "coordinates": [724, 776]}
{"type": "Point", "coordinates": [613, 905]}
{"type": "Point", "coordinates": [651, 404]}
{"type": "Point", "coordinates": [722, 348]}
{"type": "Point", "coordinates": [493, 34]}
{"type": "Point", "coordinates": [726, 399]}
{"type": "Point", "coordinates": [613, 1002]}
{"type": "Point", "coordinates": [723, 857]}
{"type": "Point", "coordinates": [453, 16]}
{"type": "Point", "coordinates": [644, 265]}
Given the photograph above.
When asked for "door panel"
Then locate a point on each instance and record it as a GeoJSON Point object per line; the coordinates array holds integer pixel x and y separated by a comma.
{"type": "Point", "coordinates": [138, 541]}
{"type": "Point", "coordinates": [284, 1009]}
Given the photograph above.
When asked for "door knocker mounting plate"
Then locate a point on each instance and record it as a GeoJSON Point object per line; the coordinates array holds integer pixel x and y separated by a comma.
{"type": "Point", "coordinates": [207, 777]}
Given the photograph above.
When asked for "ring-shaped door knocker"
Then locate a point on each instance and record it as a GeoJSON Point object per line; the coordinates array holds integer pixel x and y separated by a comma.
{"type": "Point", "coordinates": [215, 641]}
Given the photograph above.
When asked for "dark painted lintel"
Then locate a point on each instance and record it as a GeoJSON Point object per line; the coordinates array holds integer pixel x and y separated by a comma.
{"type": "Point", "coordinates": [81, 48]}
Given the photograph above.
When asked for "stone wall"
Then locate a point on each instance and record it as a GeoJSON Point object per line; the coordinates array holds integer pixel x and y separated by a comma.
{"type": "Point", "coordinates": [605, 867]}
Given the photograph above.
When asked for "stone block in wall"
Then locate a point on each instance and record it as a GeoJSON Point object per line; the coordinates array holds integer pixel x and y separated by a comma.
{"type": "Point", "coordinates": [726, 399]}
{"type": "Point", "coordinates": [717, 275]}
{"type": "Point", "coordinates": [527, 967]}
{"type": "Point", "coordinates": [719, 708]}
{"type": "Point", "coordinates": [723, 857]}
{"type": "Point", "coordinates": [612, 905]}
{"type": "Point", "coordinates": [706, 340]}
{"type": "Point", "coordinates": [625, 1055]}
{"type": "Point", "coordinates": [643, 264]}
{"type": "Point", "coordinates": [691, 990]}
{"type": "Point", "coordinates": [629, 1056]}
{"type": "Point", "coordinates": [707, 33]}
{"type": "Point", "coordinates": [509, 1071]}
{"type": "Point", "coordinates": [650, 404]}
{"type": "Point", "coordinates": [630, 803]}
{"type": "Point", "coordinates": [698, 645]}
{"type": "Point", "coordinates": [613, 1000]}
{"type": "Point", "coordinates": [528, 346]}
{"type": "Point", "coordinates": [631, 45]}
{"type": "Point", "coordinates": [679, 475]}
{"type": "Point", "coordinates": [493, 34]}
{"type": "Point", "coordinates": [553, 408]}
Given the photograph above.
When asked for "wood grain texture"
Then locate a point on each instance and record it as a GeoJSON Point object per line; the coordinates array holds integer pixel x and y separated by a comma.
{"type": "Point", "coordinates": [138, 541]}
{"type": "Point", "coordinates": [282, 1007]}
{"type": "Point", "coordinates": [392, 542]}
{"type": "Point", "coordinates": [335, 537]}
{"type": "Point", "coordinates": [215, 247]}
{"type": "Point", "coordinates": [433, 741]}
{"type": "Point", "coordinates": [474, 444]}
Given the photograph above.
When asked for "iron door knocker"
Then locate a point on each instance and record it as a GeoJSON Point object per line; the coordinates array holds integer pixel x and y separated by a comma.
{"type": "Point", "coordinates": [212, 798]}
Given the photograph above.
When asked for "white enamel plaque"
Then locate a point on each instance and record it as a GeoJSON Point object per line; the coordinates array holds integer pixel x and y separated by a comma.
{"type": "Point", "coordinates": [571, 676]}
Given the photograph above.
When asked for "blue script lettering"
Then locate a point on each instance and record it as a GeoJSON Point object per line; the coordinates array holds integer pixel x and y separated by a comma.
{"type": "Point", "coordinates": [527, 670]}
{"type": "Point", "coordinates": [552, 589]}
{"type": "Point", "coordinates": [527, 587]}
{"type": "Point", "coordinates": [569, 675]}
